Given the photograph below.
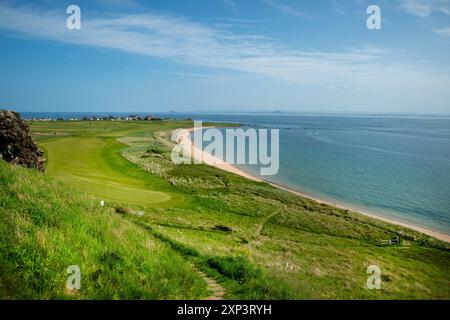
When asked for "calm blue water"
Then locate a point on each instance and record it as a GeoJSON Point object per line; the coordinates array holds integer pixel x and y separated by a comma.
{"type": "Point", "coordinates": [398, 167]}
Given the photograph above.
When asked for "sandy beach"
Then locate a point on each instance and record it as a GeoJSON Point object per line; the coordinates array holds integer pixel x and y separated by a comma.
{"type": "Point", "coordinates": [184, 140]}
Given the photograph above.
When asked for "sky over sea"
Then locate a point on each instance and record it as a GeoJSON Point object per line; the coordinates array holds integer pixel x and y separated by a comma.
{"type": "Point", "coordinates": [226, 56]}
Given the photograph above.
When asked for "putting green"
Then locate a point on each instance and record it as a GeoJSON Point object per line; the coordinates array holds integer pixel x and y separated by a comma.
{"type": "Point", "coordinates": [87, 163]}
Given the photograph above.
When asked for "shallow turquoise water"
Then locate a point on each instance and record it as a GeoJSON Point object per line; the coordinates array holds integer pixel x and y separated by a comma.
{"type": "Point", "coordinates": [398, 167]}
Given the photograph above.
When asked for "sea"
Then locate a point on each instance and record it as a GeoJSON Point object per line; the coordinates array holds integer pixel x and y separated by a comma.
{"type": "Point", "coordinates": [395, 166]}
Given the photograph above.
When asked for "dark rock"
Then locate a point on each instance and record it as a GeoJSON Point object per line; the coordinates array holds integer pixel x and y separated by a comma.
{"type": "Point", "coordinates": [16, 145]}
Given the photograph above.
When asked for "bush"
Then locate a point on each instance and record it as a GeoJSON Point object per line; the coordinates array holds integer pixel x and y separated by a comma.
{"type": "Point", "coordinates": [120, 209]}
{"type": "Point", "coordinates": [236, 268]}
{"type": "Point", "coordinates": [155, 150]}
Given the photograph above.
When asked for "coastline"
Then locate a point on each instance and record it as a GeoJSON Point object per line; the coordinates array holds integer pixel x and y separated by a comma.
{"type": "Point", "coordinates": [187, 145]}
{"type": "Point", "coordinates": [433, 233]}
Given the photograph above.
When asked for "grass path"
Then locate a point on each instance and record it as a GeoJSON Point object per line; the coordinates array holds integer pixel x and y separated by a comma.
{"type": "Point", "coordinates": [217, 291]}
{"type": "Point", "coordinates": [264, 221]}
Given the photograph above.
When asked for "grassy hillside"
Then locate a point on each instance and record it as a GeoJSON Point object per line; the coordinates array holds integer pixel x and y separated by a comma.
{"type": "Point", "coordinates": [317, 250]}
{"type": "Point", "coordinates": [46, 226]}
{"type": "Point", "coordinates": [257, 241]}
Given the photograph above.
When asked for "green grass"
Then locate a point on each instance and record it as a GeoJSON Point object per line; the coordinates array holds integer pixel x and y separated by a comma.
{"type": "Point", "coordinates": [79, 162]}
{"type": "Point", "coordinates": [244, 279]}
{"type": "Point", "coordinates": [281, 246]}
{"type": "Point", "coordinates": [317, 250]}
{"type": "Point", "coordinates": [46, 226]}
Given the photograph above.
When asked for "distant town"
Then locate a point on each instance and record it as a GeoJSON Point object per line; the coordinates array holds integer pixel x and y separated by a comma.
{"type": "Point", "coordinates": [131, 117]}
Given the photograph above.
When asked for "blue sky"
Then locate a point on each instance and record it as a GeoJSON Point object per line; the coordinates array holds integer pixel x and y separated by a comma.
{"type": "Point", "coordinates": [225, 56]}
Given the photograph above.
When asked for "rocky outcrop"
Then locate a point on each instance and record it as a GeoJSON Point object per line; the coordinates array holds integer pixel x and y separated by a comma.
{"type": "Point", "coordinates": [16, 145]}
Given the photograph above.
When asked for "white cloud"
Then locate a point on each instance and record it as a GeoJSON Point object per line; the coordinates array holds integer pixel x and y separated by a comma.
{"type": "Point", "coordinates": [424, 8]}
{"type": "Point", "coordinates": [284, 8]}
{"type": "Point", "coordinates": [126, 3]}
{"type": "Point", "coordinates": [229, 3]}
{"type": "Point", "coordinates": [366, 71]}
{"type": "Point", "coordinates": [339, 8]}
{"type": "Point", "coordinates": [443, 32]}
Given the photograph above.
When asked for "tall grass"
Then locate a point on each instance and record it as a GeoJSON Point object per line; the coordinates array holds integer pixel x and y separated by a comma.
{"type": "Point", "coordinates": [244, 279]}
{"type": "Point", "coordinates": [46, 226]}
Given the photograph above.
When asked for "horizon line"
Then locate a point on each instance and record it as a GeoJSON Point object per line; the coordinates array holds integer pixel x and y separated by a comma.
{"type": "Point", "coordinates": [273, 112]}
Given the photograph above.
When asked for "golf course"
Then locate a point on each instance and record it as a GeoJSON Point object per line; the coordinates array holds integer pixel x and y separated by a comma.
{"type": "Point", "coordinates": [89, 164]}
{"type": "Point", "coordinates": [170, 231]}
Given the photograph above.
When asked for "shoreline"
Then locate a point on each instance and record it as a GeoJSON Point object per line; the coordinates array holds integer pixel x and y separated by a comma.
{"type": "Point", "coordinates": [188, 146]}
{"type": "Point", "coordinates": [430, 232]}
